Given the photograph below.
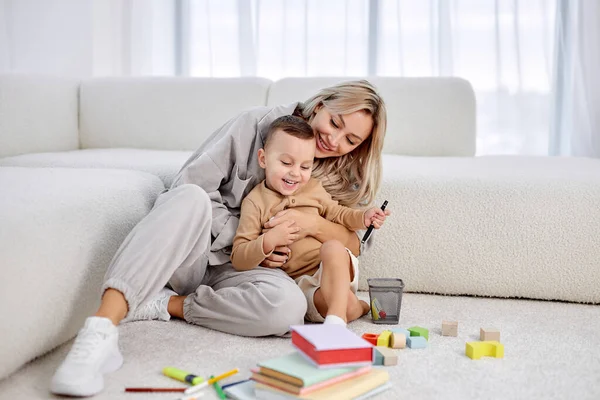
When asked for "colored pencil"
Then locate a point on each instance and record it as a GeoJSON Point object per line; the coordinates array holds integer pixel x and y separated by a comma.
{"type": "Point", "coordinates": [150, 389]}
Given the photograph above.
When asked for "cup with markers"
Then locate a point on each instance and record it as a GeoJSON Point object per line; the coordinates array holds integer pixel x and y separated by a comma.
{"type": "Point", "coordinates": [385, 295]}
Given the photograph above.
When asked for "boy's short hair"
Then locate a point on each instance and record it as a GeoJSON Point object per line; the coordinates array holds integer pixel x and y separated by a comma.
{"type": "Point", "coordinates": [292, 125]}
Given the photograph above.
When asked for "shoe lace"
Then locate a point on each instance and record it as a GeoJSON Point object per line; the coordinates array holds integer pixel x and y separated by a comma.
{"type": "Point", "coordinates": [85, 344]}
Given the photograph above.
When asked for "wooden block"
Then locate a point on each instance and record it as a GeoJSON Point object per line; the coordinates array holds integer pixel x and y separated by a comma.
{"type": "Point", "coordinates": [418, 331]}
{"type": "Point", "coordinates": [377, 357]}
{"type": "Point", "coordinates": [397, 340]}
{"type": "Point", "coordinates": [403, 331]}
{"type": "Point", "coordinates": [449, 328]}
{"type": "Point", "coordinates": [371, 338]}
{"type": "Point", "coordinates": [476, 350]}
{"type": "Point", "coordinates": [384, 339]}
{"type": "Point", "coordinates": [416, 342]}
{"type": "Point", "coordinates": [489, 334]}
{"type": "Point", "coordinates": [389, 356]}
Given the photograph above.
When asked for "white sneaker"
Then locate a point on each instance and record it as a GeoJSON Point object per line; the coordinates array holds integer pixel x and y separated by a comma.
{"type": "Point", "coordinates": [156, 308]}
{"type": "Point", "coordinates": [94, 353]}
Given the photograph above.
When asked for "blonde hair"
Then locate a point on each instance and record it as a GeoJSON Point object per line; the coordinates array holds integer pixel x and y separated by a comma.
{"type": "Point", "coordinates": [354, 178]}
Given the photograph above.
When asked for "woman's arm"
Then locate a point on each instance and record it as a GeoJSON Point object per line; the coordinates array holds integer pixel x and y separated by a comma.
{"type": "Point", "coordinates": [317, 227]}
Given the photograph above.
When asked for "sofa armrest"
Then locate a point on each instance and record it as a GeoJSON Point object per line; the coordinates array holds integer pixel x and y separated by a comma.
{"type": "Point", "coordinates": [491, 226]}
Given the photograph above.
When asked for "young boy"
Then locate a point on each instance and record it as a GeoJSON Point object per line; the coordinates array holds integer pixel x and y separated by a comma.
{"type": "Point", "coordinates": [287, 158]}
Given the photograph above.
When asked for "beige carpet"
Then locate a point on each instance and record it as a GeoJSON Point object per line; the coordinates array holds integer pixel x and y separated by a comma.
{"type": "Point", "coordinates": [552, 351]}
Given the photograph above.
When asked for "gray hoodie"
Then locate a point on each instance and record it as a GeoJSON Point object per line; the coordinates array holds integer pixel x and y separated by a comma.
{"type": "Point", "coordinates": [226, 167]}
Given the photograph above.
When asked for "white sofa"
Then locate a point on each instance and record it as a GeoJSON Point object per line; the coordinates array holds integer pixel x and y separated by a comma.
{"type": "Point", "coordinates": [81, 162]}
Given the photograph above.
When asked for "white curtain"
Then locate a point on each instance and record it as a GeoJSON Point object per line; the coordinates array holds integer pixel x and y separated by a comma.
{"type": "Point", "coordinates": [503, 47]}
{"type": "Point", "coordinates": [85, 38]}
{"type": "Point", "coordinates": [576, 124]}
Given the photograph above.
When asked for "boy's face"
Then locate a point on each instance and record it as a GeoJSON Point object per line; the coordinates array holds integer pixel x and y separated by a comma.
{"type": "Point", "coordinates": [287, 162]}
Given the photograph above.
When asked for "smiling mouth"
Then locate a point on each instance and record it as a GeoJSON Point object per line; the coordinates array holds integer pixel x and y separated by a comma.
{"type": "Point", "coordinates": [289, 182]}
{"type": "Point", "coordinates": [323, 145]}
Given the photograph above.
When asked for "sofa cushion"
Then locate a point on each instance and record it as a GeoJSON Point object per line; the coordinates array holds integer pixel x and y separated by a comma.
{"type": "Point", "coordinates": [59, 230]}
{"type": "Point", "coordinates": [502, 226]}
{"type": "Point", "coordinates": [162, 163]}
{"type": "Point", "coordinates": [426, 116]}
{"type": "Point", "coordinates": [162, 113]}
{"type": "Point", "coordinates": [37, 114]}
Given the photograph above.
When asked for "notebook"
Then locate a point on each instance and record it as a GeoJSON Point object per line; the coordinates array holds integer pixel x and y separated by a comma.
{"type": "Point", "coordinates": [330, 345]}
{"type": "Point", "coordinates": [359, 387]}
{"type": "Point", "coordinates": [296, 370]}
{"type": "Point", "coordinates": [288, 387]}
{"type": "Point", "coordinates": [241, 391]}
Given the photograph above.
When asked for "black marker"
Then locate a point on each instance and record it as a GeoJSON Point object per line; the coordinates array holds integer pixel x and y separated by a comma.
{"type": "Point", "coordinates": [370, 229]}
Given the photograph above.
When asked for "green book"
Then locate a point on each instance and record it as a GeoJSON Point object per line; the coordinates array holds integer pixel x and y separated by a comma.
{"type": "Point", "coordinates": [295, 369]}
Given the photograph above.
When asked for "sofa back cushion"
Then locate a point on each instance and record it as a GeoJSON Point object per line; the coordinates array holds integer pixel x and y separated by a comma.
{"type": "Point", "coordinates": [37, 114]}
{"type": "Point", "coordinates": [426, 116]}
{"type": "Point", "coordinates": [162, 113]}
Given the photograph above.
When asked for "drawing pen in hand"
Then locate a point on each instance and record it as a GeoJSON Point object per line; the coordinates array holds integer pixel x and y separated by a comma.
{"type": "Point", "coordinates": [370, 229]}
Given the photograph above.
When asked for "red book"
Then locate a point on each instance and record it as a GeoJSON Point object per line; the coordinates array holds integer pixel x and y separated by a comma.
{"type": "Point", "coordinates": [330, 345]}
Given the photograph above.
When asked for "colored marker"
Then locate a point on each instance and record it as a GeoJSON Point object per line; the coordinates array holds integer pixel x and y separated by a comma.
{"type": "Point", "coordinates": [371, 227]}
{"type": "Point", "coordinates": [182, 376]}
{"type": "Point", "coordinates": [218, 389]}
{"type": "Point", "coordinates": [195, 389]}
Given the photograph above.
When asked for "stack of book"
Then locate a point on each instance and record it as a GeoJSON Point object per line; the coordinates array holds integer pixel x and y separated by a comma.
{"type": "Point", "coordinates": [331, 362]}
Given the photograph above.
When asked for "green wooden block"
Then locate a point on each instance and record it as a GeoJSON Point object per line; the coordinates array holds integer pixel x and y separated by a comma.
{"type": "Point", "coordinates": [418, 331]}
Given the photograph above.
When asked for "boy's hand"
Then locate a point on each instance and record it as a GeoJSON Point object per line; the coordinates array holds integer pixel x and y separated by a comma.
{"type": "Point", "coordinates": [376, 217]}
{"type": "Point", "coordinates": [283, 234]}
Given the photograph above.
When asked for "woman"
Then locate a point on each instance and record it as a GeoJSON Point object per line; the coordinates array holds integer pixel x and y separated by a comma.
{"type": "Point", "coordinates": [185, 241]}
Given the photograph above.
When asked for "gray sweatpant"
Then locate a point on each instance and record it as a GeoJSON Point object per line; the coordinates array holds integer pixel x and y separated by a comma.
{"type": "Point", "coordinates": [171, 245]}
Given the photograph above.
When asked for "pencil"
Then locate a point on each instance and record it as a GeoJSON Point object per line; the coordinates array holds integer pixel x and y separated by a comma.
{"type": "Point", "coordinates": [197, 388]}
{"type": "Point", "coordinates": [149, 389]}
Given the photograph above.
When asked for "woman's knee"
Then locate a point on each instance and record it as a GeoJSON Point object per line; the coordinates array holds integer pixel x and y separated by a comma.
{"type": "Point", "coordinates": [332, 249]}
{"type": "Point", "coordinates": [191, 197]}
{"type": "Point", "coordinates": [287, 306]}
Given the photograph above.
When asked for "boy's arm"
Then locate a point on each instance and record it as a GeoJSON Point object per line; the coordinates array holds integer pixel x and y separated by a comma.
{"type": "Point", "coordinates": [247, 250]}
{"type": "Point", "coordinates": [351, 218]}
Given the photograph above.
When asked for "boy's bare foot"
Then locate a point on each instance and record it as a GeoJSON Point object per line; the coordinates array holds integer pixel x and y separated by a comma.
{"type": "Point", "coordinates": [365, 307]}
{"type": "Point", "coordinates": [356, 307]}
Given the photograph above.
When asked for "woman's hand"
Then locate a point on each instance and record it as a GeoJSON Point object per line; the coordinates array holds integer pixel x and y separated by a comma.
{"type": "Point", "coordinates": [306, 222]}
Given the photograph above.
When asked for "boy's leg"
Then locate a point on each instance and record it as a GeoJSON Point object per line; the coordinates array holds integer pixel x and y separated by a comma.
{"type": "Point", "coordinates": [175, 234]}
{"type": "Point", "coordinates": [335, 279]}
{"type": "Point", "coordinates": [259, 302]}
{"type": "Point", "coordinates": [356, 307]}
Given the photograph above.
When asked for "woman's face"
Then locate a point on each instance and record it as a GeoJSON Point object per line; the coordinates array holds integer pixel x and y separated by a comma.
{"type": "Point", "coordinates": [339, 134]}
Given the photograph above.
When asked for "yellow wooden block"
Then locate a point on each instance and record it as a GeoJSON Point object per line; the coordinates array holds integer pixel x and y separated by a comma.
{"type": "Point", "coordinates": [384, 339]}
{"type": "Point", "coordinates": [491, 348]}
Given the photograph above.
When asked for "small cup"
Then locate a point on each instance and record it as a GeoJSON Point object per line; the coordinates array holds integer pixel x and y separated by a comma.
{"type": "Point", "coordinates": [385, 295]}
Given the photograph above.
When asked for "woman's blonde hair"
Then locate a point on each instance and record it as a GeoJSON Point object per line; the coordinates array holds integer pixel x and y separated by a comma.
{"type": "Point", "coordinates": [354, 178]}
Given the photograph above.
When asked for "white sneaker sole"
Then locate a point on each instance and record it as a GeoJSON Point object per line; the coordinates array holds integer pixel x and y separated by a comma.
{"type": "Point", "coordinates": [91, 387]}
